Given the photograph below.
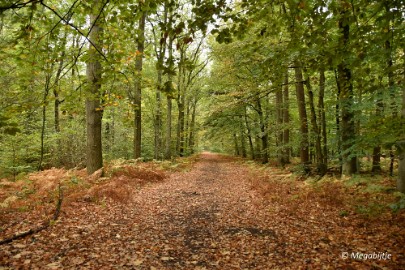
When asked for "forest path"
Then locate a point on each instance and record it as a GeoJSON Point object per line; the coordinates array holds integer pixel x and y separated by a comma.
{"type": "Point", "coordinates": [209, 217]}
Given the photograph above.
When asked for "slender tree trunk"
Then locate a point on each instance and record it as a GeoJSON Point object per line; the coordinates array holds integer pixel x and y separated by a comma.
{"type": "Point", "coordinates": [168, 150]}
{"type": "Point", "coordinates": [286, 121]}
{"type": "Point", "coordinates": [322, 117]}
{"type": "Point", "coordinates": [263, 136]}
{"type": "Point", "coordinates": [158, 119]}
{"type": "Point", "coordinates": [93, 109]}
{"type": "Point", "coordinates": [321, 167]}
{"type": "Point", "coordinates": [187, 129]}
{"type": "Point", "coordinates": [376, 168]}
{"type": "Point", "coordinates": [242, 136]}
{"type": "Point", "coordinates": [44, 101]}
{"type": "Point", "coordinates": [337, 117]}
{"type": "Point", "coordinates": [304, 144]}
{"type": "Point", "coordinates": [401, 144]}
{"type": "Point", "coordinates": [348, 132]}
{"type": "Point", "coordinates": [280, 127]}
{"type": "Point", "coordinates": [158, 123]}
{"type": "Point", "coordinates": [138, 87]}
{"type": "Point", "coordinates": [57, 101]}
{"type": "Point", "coordinates": [192, 127]}
{"type": "Point", "coordinates": [391, 85]}
{"type": "Point", "coordinates": [181, 103]}
{"type": "Point", "coordinates": [249, 134]}
{"type": "Point", "coordinates": [180, 129]}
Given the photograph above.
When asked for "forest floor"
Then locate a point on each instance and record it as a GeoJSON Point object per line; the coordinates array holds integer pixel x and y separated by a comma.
{"type": "Point", "coordinates": [220, 213]}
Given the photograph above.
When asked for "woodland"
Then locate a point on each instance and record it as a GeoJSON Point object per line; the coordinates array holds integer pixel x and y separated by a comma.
{"type": "Point", "coordinates": [310, 89]}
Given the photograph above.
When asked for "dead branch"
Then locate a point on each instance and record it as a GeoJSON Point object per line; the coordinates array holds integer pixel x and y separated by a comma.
{"type": "Point", "coordinates": [45, 225]}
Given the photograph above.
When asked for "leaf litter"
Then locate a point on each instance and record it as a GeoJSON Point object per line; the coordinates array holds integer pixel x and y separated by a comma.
{"type": "Point", "coordinates": [218, 214]}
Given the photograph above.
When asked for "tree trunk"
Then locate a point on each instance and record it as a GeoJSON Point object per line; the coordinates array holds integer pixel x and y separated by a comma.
{"type": "Point", "coordinates": [160, 54]}
{"type": "Point", "coordinates": [57, 101]}
{"type": "Point", "coordinates": [286, 121]}
{"type": "Point", "coordinates": [249, 134]}
{"type": "Point", "coordinates": [304, 144]}
{"type": "Point", "coordinates": [391, 85]}
{"type": "Point", "coordinates": [181, 85]}
{"type": "Point", "coordinates": [322, 117]}
{"type": "Point", "coordinates": [94, 153]}
{"type": "Point", "coordinates": [180, 128]}
{"type": "Point", "coordinates": [376, 168]}
{"type": "Point", "coordinates": [279, 132]}
{"type": "Point", "coordinates": [192, 127]}
{"type": "Point", "coordinates": [168, 150]}
{"type": "Point", "coordinates": [337, 119]}
{"type": "Point", "coordinates": [158, 119]}
{"type": "Point", "coordinates": [242, 136]}
{"type": "Point", "coordinates": [44, 102]}
{"type": "Point", "coordinates": [263, 131]}
{"type": "Point", "coordinates": [401, 144]}
{"type": "Point", "coordinates": [187, 128]}
{"type": "Point", "coordinates": [138, 87]}
{"type": "Point", "coordinates": [348, 134]}
{"type": "Point", "coordinates": [321, 167]}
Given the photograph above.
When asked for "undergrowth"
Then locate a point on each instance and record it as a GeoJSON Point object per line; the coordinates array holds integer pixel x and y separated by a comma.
{"type": "Point", "coordinates": [365, 196]}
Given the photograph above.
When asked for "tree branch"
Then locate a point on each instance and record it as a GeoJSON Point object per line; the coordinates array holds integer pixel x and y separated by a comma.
{"type": "Point", "coordinates": [76, 28]}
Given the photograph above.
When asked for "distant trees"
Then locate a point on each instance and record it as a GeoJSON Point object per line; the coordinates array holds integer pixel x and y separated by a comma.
{"type": "Point", "coordinates": [334, 50]}
{"type": "Point", "coordinates": [107, 66]}
{"type": "Point", "coordinates": [317, 80]}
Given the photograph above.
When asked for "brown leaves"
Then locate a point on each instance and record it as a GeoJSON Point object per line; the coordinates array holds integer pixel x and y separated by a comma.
{"type": "Point", "coordinates": [218, 215]}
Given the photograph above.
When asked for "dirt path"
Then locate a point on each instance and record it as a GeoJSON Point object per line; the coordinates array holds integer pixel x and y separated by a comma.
{"type": "Point", "coordinates": [207, 218]}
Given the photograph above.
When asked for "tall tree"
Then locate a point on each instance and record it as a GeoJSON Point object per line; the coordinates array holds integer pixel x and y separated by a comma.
{"type": "Point", "coordinates": [286, 121]}
{"type": "Point", "coordinates": [304, 141]}
{"type": "Point", "coordinates": [138, 83]}
{"type": "Point", "coordinates": [401, 144]}
{"type": "Point", "coordinates": [94, 111]}
{"type": "Point", "coordinates": [348, 133]}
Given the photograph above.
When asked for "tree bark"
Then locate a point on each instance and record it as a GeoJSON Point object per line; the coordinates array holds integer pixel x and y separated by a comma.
{"type": "Point", "coordinates": [391, 83]}
{"type": "Point", "coordinates": [168, 150]}
{"type": "Point", "coordinates": [348, 134]}
{"type": "Point", "coordinates": [376, 167]}
{"type": "Point", "coordinates": [280, 126]}
{"type": "Point", "coordinates": [322, 117]}
{"type": "Point", "coordinates": [180, 128]}
{"type": "Point", "coordinates": [286, 120]}
{"type": "Point", "coordinates": [337, 119]}
{"type": "Point", "coordinates": [44, 101]}
{"type": "Point", "coordinates": [192, 127]}
{"type": "Point", "coordinates": [242, 136]}
{"type": "Point", "coordinates": [321, 167]}
{"type": "Point", "coordinates": [94, 155]}
{"type": "Point", "coordinates": [160, 54]}
{"type": "Point", "coordinates": [138, 87]}
{"type": "Point", "coordinates": [401, 144]}
{"type": "Point", "coordinates": [304, 143]}
{"type": "Point", "coordinates": [263, 131]}
{"type": "Point", "coordinates": [249, 134]}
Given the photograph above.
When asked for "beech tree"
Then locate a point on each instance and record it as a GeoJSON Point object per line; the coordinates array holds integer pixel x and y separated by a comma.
{"type": "Point", "coordinates": [94, 112]}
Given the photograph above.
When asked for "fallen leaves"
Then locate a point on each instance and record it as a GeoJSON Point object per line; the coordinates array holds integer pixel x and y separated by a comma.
{"type": "Point", "coordinates": [218, 215]}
